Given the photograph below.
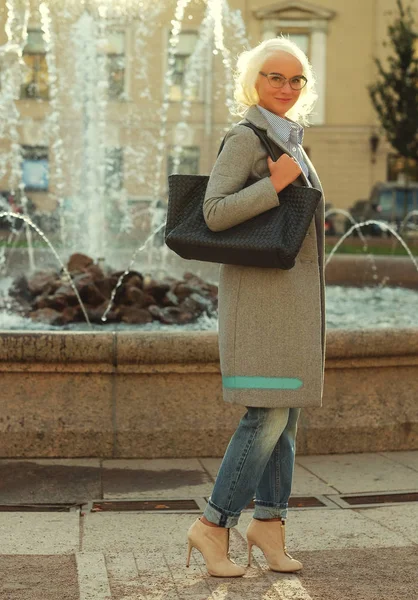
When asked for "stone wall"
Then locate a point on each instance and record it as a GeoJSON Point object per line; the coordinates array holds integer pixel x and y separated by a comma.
{"type": "Point", "coordinates": [159, 395]}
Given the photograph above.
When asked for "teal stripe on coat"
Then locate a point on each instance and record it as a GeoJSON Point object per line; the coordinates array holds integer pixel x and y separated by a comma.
{"type": "Point", "coordinates": [262, 383]}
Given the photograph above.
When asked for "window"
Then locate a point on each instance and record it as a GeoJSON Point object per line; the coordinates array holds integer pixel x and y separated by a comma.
{"type": "Point", "coordinates": [397, 203]}
{"type": "Point", "coordinates": [184, 48]}
{"type": "Point", "coordinates": [189, 160]}
{"type": "Point", "coordinates": [35, 168]}
{"type": "Point", "coordinates": [35, 78]}
{"type": "Point", "coordinates": [398, 167]}
{"type": "Point", "coordinates": [301, 39]}
{"type": "Point", "coordinates": [114, 49]}
{"type": "Point", "coordinates": [386, 200]}
{"type": "Point", "coordinates": [114, 169]}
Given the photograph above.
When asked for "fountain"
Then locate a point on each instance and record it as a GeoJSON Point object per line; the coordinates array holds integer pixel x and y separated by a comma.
{"type": "Point", "coordinates": [138, 373]}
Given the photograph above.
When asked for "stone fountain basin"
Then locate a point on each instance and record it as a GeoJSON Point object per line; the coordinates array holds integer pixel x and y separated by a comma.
{"type": "Point", "coordinates": [158, 394]}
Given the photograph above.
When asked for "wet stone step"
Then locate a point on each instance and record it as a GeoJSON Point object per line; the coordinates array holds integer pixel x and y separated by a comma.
{"type": "Point", "coordinates": [36, 482]}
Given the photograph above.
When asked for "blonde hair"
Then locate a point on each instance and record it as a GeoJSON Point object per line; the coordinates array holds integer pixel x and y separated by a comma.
{"type": "Point", "coordinates": [250, 63]}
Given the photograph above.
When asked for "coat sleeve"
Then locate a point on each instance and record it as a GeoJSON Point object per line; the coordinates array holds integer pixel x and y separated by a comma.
{"type": "Point", "coordinates": [227, 202]}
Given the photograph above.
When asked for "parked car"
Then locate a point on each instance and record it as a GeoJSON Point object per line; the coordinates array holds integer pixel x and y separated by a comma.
{"type": "Point", "coordinates": [389, 202]}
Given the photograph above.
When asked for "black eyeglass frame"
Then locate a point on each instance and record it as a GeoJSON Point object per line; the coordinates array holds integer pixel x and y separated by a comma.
{"type": "Point", "coordinates": [285, 80]}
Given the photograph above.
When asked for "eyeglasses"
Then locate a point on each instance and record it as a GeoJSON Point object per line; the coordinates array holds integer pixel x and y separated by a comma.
{"type": "Point", "coordinates": [278, 81]}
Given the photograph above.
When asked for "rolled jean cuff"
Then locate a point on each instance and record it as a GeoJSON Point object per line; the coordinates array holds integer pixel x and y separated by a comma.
{"type": "Point", "coordinates": [263, 510]}
{"type": "Point", "coordinates": [219, 516]}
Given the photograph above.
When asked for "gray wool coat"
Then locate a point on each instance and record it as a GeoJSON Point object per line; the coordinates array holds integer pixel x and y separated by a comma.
{"type": "Point", "coordinates": [271, 321]}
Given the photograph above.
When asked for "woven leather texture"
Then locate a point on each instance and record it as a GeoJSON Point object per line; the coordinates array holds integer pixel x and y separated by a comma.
{"type": "Point", "coordinates": [271, 239]}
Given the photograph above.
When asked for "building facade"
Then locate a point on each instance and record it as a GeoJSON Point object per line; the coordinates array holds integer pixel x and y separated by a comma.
{"type": "Point", "coordinates": [146, 119]}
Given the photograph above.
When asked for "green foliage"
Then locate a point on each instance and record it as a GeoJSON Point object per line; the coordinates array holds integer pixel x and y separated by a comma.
{"type": "Point", "coordinates": [395, 94]}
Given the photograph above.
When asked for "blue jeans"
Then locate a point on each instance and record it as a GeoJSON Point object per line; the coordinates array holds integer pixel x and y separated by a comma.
{"type": "Point", "coordinates": [259, 460]}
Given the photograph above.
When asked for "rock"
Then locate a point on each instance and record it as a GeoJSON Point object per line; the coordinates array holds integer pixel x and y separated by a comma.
{"type": "Point", "coordinates": [68, 293]}
{"type": "Point", "coordinates": [55, 302]}
{"type": "Point", "coordinates": [43, 281]}
{"type": "Point", "coordinates": [148, 299]}
{"type": "Point", "coordinates": [40, 301]}
{"type": "Point", "coordinates": [156, 289]}
{"type": "Point", "coordinates": [95, 314]}
{"type": "Point", "coordinates": [49, 297]}
{"type": "Point", "coordinates": [156, 312]}
{"type": "Point", "coordinates": [212, 291]}
{"type": "Point", "coordinates": [170, 299]}
{"type": "Point", "coordinates": [132, 277]}
{"type": "Point", "coordinates": [197, 282]}
{"type": "Point", "coordinates": [134, 315]}
{"type": "Point", "coordinates": [81, 280]}
{"type": "Point", "coordinates": [20, 289]}
{"type": "Point", "coordinates": [47, 315]}
{"type": "Point", "coordinates": [79, 262]}
{"type": "Point", "coordinates": [90, 294]}
{"type": "Point", "coordinates": [95, 272]}
{"type": "Point", "coordinates": [71, 314]}
{"type": "Point", "coordinates": [174, 314]}
{"type": "Point", "coordinates": [193, 280]}
{"type": "Point", "coordinates": [202, 303]}
{"type": "Point", "coordinates": [183, 290]}
{"type": "Point", "coordinates": [188, 275]}
{"type": "Point", "coordinates": [105, 286]}
{"type": "Point", "coordinates": [190, 305]}
{"type": "Point", "coordinates": [135, 296]}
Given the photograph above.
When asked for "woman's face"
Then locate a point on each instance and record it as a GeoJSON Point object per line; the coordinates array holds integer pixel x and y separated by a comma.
{"type": "Point", "coordinates": [279, 100]}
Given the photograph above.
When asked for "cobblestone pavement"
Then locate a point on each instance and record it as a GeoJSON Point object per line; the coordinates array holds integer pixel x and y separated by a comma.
{"type": "Point", "coordinates": [86, 529]}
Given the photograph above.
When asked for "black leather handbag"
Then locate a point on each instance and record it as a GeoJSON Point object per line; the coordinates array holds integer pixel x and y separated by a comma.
{"type": "Point", "coordinates": [271, 239]}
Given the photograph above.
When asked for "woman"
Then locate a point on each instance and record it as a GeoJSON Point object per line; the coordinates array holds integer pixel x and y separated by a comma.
{"type": "Point", "coordinates": [271, 321]}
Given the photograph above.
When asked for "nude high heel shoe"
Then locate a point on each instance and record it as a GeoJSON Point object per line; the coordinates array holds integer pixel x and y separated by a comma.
{"type": "Point", "coordinates": [269, 536]}
{"type": "Point", "coordinates": [213, 544]}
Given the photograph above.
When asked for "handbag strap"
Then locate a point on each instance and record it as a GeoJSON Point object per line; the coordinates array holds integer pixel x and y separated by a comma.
{"type": "Point", "coordinates": [261, 134]}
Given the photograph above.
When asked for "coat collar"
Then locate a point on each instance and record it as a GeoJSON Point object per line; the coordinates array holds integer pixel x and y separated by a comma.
{"type": "Point", "coordinates": [254, 116]}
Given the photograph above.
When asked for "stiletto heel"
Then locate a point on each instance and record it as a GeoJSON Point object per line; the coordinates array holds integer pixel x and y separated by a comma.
{"type": "Point", "coordinates": [269, 536]}
{"type": "Point", "coordinates": [213, 543]}
{"type": "Point", "coordinates": [250, 546]}
{"type": "Point", "coordinates": [189, 551]}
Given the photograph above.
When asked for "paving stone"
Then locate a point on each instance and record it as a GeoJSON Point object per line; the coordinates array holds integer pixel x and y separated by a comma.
{"type": "Point", "coordinates": [361, 574]}
{"type": "Point", "coordinates": [39, 533]}
{"type": "Point", "coordinates": [402, 519]}
{"type": "Point", "coordinates": [124, 579]}
{"type": "Point", "coordinates": [304, 483]}
{"type": "Point", "coordinates": [132, 532]}
{"type": "Point", "coordinates": [307, 484]}
{"type": "Point", "coordinates": [350, 473]}
{"type": "Point", "coordinates": [49, 481]}
{"type": "Point", "coordinates": [348, 554]}
{"type": "Point", "coordinates": [211, 465]}
{"type": "Point", "coordinates": [324, 529]}
{"type": "Point", "coordinates": [153, 479]}
{"type": "Point", "coordinates": [92, 576]}
{"type": "Point", "coordinates": [407, 458]}
{"type": "Point", "coordinates": [38, 578]}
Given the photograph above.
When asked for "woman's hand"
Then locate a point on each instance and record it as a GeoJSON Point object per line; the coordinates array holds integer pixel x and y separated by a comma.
{"type": "Point", "coordinates": [283, 171]}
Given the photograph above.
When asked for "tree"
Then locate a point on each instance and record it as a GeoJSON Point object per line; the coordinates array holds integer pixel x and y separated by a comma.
{"type": "Point", "coordinates": [395, 93]}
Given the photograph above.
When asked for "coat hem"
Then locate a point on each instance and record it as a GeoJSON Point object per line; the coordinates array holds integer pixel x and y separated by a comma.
{"type": "Point", "coordinates": [248, 399]}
